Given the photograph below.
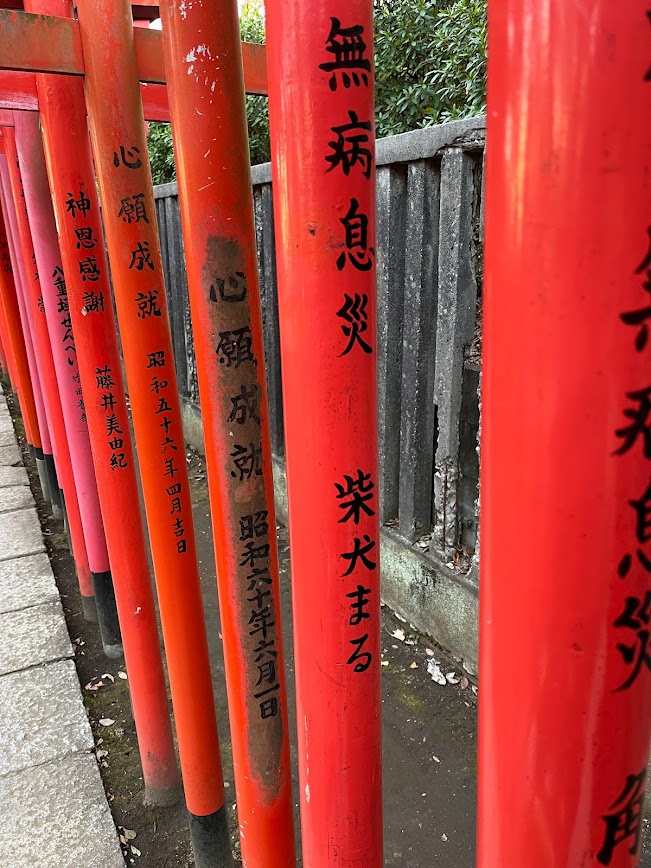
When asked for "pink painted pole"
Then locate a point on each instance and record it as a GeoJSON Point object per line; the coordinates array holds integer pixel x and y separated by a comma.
{"type": "Point", "coordinates": [48, 444]}
{"type": "Point", "coordinates": [58, 435]}
{"type": "Point", "coordinates": [27, 325]}
{"type": "Point", "coordinates": [28, 155]}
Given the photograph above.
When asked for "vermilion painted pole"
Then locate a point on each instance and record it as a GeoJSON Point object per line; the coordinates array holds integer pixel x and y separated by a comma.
{"type": "Point", "coordinates": [67, 145]}
{"type": "Point", "coordinates": [38, 234]}
{"type": "Point", "coordinates": [206, 93]}
{"type": "Point", "coordinates": [126, 192]}
{"type": "Point", "coordinates": [320, 66]}
{"type": "Point", "coordinates": [64, 464]}
{"type": "Point", "coordinates": [7, 340]}
{"type": "Point", "coordinates": [566, 448]}
{"type": "Point", "coordinates": [11, 316]}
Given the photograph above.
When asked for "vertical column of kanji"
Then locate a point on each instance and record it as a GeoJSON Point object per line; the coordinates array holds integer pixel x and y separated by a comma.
{"type": "Point", "coordinates": [566, 460]}
{"type": "Point", "coordinates": [37, 425]}
{"type": "Point", "coordinates": [321, 108]}
{"type": "Point", "coordinates": [69, 500]}
{"type": "Point", "coordinates": [38, 234]}
{"type": "Point", "coordinates": [206, 93]}
{"type": "Point", "coordinates": [128, 211]}
{"type": "Point", "coordinates": [69, 160]}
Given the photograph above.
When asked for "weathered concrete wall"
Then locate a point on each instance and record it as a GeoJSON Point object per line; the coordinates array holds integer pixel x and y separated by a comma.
{"type": "Point", "coordinates": [429, 257]}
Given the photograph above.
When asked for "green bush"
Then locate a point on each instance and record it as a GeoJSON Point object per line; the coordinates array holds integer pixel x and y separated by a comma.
{"type": "Point", "coordinates": [430, 67]}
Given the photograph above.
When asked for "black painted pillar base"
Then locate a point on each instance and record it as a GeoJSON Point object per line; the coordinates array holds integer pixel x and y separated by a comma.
{"type": "Point", "coordinates": [211, 841]}
{"type": "Point", "coordinates": [89, 609]}
{"type": "Point", "coordinates": [53, 485]}
{"type": "Point", "coordinates": [66, 526]}
{"type": "Point", "coordinates": [107, 615]}
{"type": "Point", "coordinates": [42, 473]}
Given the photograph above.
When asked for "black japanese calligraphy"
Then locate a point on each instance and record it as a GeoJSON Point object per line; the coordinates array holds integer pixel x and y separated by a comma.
{"type": "Point", "coordinates": [156, 359]}
{"type": "Point", "coordinates": [361, 659]}
{"type": "Point", "coordinates": [360, 553]}
{"type": "Point", "coordinates": [85, 238]}
{"type": "Point", "coordinates": [147, 303]}
{"type": "Point", "coordinates": [233, 288]}
{"type": "Point", "coordinates": [640, 423]}
{"type": "Point", "coordinates": [132, 209]}
{"type": "Point", "coordinates": [356, 492]}
{"type": "Point", "coordinates": [636, 617]}
{"type": "Point", "coordinates": [141, 257]}
{"type": "Point", "coordinates": [360, 598]}
{"type": "Point", "coordinates": [254, 525]}
{"type": "Point", "coordinates": [247, 460]}
{"type": "Point", "coordinates": [128, 157]}
{"type": "Point", "coordinates": [104, 377]}
{"type": "Point", "coordinates": [347, 46]}
{"type": "Point", "coordinates": [235, 347]}
{"type": "Point", "coordinates": [624, 822]}
{"type": "Point", "coordinates": [639, 318]}
{"type": "Point", "coordinates": [79, 205]}
{"type": "Point", "coordinates": [353, 312]}
{"type": "Point", "coordinates": [88, 269]}
{"type": "Point", "coordinates": [245, 405]}
{"type": "Point", "coordinates": [351, 147]}
{"type": "Point", "coordinates": [93, 301]}
{"type": "Point", "coordinates": [357, 252]}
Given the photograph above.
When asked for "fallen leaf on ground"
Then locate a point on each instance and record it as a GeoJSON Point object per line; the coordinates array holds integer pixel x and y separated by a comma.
{"type": "Point", "coordinates": [414, 665]}
{"type": "Point", "coordinates": [122, 675]}
{"type": "Point", "coordinates": [399, 634]}
{"type": "Point", "coordinates": [436, 759]}
{"type": "Point", "coordinates": [464, 682]}
{"type": "Point", "coordinates": [106, 721]}
{"type": "Point", "coordinates": [452, 677]}
{"type": "Point", "coordinates": [109, 676]}
{"type": "Point", "coordinates": [429, 652]}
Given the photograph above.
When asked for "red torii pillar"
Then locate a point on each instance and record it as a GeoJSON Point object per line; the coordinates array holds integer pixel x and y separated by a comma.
{"type": "Point", "coordinates": [206, 96]}
{"type": "Point", "coordinates": [127, 196]}
{"type": "Point", "coordinates": [38, 236]}
{"type": "Point", "coordinates": [565, 699]}
{"type": "Point", "coordinates": [322, 136]}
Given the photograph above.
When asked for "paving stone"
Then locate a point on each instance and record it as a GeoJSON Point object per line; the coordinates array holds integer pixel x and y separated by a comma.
{"type": "Point", "coordinates": [56, 816]}
{"type": "Point", "coordinates": [13, 476]}
{"type": "Point", "coordinates": [43, 717]}
{"type": "Point", "coordinates": [25, 582]}
{"type": "Point", "coordinates": [7, 438]}
{"type": "Point", "coordinates": [16, 497]}
{"type": "Point", "coordinates": [20, 533]}
{"type": "Point", "coordinates": [10, 456]}
{"type": "Point", "coordinates": [33, 636]}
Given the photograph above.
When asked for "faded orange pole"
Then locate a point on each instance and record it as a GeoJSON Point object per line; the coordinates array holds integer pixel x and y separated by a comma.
{"type": "Point", "coordinates": [206, 94]}
{"type": "Point", "coordinates": [38, 239]}
{"type": "Point", "coordinates": [566, 437]}
{"type": "Point", "coordinates": [320, 67]}
{"type": "Point", "coordinates": [67, 146]}
{"type": "Point", "coordinates": [129, 216]}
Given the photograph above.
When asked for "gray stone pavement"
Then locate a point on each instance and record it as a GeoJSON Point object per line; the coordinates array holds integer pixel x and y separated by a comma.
{"type": "Point", "coordinates": [54, 812]}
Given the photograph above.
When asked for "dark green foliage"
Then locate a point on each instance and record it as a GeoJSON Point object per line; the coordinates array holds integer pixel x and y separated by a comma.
{"type": "Point", "coordinates": [430, 67]}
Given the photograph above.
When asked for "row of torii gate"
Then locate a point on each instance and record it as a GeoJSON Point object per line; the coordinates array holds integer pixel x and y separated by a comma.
{"type": "Point", "coordinates": [566, 499]}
